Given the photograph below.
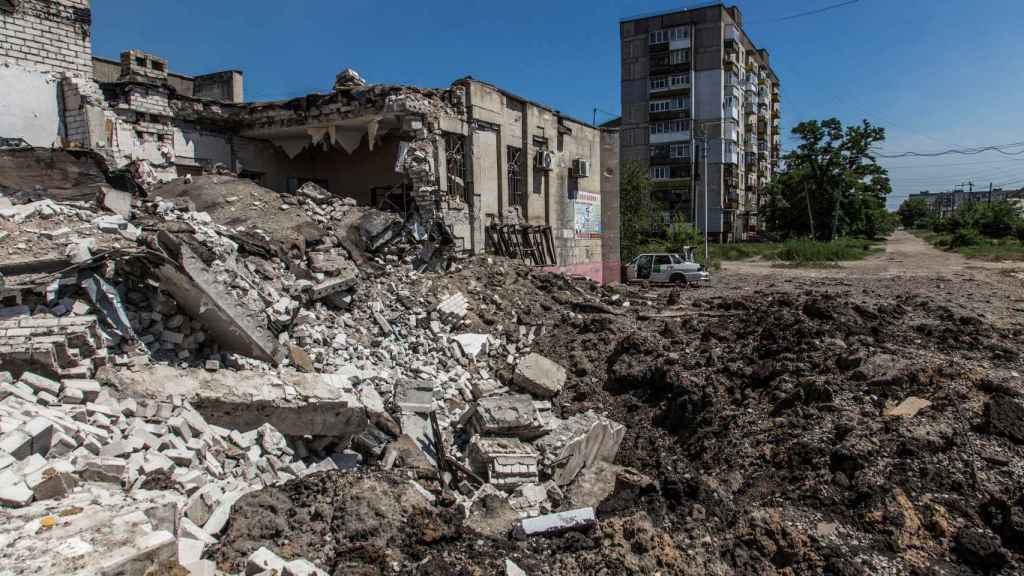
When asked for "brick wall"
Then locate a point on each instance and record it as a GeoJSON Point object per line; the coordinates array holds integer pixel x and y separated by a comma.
{"type": "Point", "coordinates": [49, 35]}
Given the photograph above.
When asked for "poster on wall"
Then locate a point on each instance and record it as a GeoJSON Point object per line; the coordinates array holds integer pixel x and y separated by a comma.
{"type": "Point", "coordinates": [588, 215]}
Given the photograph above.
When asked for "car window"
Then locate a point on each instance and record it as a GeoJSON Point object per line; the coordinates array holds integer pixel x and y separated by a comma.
{"type": "Point", "coordinates": [676, 259]}
{"type": "Point", "coordinates": [662, 260]}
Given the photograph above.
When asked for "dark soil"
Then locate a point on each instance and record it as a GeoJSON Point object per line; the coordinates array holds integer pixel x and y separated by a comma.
{"type": "Point", "coordinates": [756, 412]}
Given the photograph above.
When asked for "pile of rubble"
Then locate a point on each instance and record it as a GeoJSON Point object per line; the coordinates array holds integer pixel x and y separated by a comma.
{"type": "Point", "coordinates": [58, 435]}
{"type": "Point", "coordinates": [214, 338]}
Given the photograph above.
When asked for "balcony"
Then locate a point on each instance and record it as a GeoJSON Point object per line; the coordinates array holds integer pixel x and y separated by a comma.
{"type": "Point", "coordinates": [731, 200]}
{"type": "Point", "coordinates": [670, 137]}
{"type": "Point", "coordinates": [731, 132]}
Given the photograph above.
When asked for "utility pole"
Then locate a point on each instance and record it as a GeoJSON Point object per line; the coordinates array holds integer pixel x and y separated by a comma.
{"type": "Point", "coordinates": [706, 243]}
{"type": "Point", "coordinates": [989, 192]}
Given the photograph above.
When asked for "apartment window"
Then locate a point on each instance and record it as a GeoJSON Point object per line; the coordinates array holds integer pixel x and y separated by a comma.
{"type": "Point", "coordinates": [514, 161]}
{"type": "Point", "coordinates": [679, 33]}
{"type": "Point", "coordinates": [659, 172]}
{"type": "Point", "coordinates": [681, 56]}
{"type": "Point", "coordinates": [680, 103]}
{"type": "Point", "coordinates": [679, 80]}
{"type": "Point", "coordinates": [659, 83]}
{"type": "Point", "coordinates": [659, 36]}
{"type": "Point", "coordinates": [679, 151]}
{"type": "Point", "coordinates": [660, 105]}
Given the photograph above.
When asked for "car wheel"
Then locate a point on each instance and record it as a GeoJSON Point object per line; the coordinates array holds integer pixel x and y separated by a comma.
{"type": "Point", "coordinates": [679, 279]}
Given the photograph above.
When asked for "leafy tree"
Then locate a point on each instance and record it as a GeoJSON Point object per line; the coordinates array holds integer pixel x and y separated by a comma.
{"type": "Point", "coordinates": [915, 213]}
{"type": "Point", "coordinates": [831, 185]}
{"type": "Point", "coordinates": [682, 233]}
{"type": "Point", "coordinates": [640, 213]}
{"type": "Point", "coordinates": [992, 220]}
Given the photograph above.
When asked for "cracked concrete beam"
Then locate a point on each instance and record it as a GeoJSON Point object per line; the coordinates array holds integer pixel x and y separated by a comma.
{"type": "Point", "coordinates": [198, 291]}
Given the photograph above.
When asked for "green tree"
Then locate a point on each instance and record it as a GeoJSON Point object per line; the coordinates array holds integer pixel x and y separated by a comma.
{"type": "Point", "coordinates": [831, 185]}
{"type": "Point", "coordinates": [682, 234]}
{"type": "Point", "coordinates": [915, 213]}
{"type": "Point", "coordinates": [640, 213]}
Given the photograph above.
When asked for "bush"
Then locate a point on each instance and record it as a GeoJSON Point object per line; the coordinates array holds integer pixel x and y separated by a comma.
{"type": "Point", "coordinates": [995, 220]}
{"type": "Point", "coordinates": [965, 237]}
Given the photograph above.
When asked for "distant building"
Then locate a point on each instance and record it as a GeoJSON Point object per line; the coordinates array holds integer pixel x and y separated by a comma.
{"type": "Point", "coordinates": [945, 203]}
{"type": "Point", "coordinates": [694, 73]}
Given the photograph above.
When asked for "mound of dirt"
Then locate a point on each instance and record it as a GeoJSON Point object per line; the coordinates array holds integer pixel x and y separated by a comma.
{"type": "Point", "coordinates": [347, 523]}
{"type": "Point", "coordinates": [758, 421]}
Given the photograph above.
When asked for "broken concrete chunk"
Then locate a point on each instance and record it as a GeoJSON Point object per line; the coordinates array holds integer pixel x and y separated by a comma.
{"type": "Point", "coordinates": [472, 345]}
{"type": "Point", "coordinates": [219, 517]}
{"type": "Point", "coordinates": [503, 462]}
{"type": "Point", "coordinates": [261, 560]}
{"type": "Point", "coordinates": [40, 384]}
{"type": "Point", "coordinates": [302, 567]}
{"type": "Point", "coordinates": [14, 492]}
{"type": "Point", "coordinates": [539, 376]}
{"type": "Point", "coordinates": [52, 482]}
{"type": "Point", "coordinates": [116, 201]}
{"type": "Point", "coordinates": [200, 291]}
{"type": "Point", "coordinates": [548, 524]}
{"type": "Point", "coordinates": [188, 529]}
{"type": "Point", "coordinates": [908, 408]}
{"type": "Point", "coordinates": [453, 308]}
{"type": "Point", "coordinates": [578, 442]}
{"type": "Point", "coordinates": [512, 569]}
{"type": "Point", "coordinates": [111, 470]}
{"type": "Point", "coordinates": [90, 389]}
{"type": "Point", "coordinates": [148, 551]}
{"type": "Point", "coordinates": [513, 415]}
{"type": "Point", "coordinates": [16, 443]}
{"type": "Point", "coordinates": [190, 550]}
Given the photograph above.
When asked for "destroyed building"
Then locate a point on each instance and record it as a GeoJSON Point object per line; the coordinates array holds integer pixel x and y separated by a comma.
{"type": "Point", "coordinates": [203, 298]}
{"type": "Point", "coordinates": [498, 172]}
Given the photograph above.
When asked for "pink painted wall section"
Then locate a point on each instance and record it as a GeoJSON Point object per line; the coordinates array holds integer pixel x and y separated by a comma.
{"type": "Point", "coordinates": [612, 272]}
{"type": "Point", "coordinates": [592, 270]}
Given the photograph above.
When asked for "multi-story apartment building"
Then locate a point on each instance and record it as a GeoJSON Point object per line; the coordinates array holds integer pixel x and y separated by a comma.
{"type": "Point", "coordinates": [690, 77]}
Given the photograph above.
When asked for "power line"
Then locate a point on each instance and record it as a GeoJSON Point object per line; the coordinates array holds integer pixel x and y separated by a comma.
{"type": "Point", "coordinates": [807, 13]}
{"type": "Point", "coordinates": [980, 162]}
{"type": "Point", "coordinates": [961, 151]}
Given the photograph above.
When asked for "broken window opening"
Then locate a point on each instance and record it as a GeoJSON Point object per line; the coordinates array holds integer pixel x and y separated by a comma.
{"type": "Point", "coordinates": [455, 155]}
{"type": "Point", "coordinates": [514, 159]}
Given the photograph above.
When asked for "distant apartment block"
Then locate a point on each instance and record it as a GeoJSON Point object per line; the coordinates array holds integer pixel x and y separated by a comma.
{"type": "Point", "coordinates": [694, 74]}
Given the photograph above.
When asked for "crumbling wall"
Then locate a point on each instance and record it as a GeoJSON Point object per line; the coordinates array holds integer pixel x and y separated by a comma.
{"type": "Point", "coordinates": [48, 35]}
{"type": "Point", "coordinates": [570, 205]}
{"type": "Point", "coordinates": [29, 105]}
{"type": "Point", "coordinates": [40, 43]}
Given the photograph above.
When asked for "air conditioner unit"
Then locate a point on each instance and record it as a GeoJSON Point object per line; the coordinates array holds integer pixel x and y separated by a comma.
{"type": "Point", "coordinates": [544, 160]}
{"type": "Point", "coordinates": [581, 168]}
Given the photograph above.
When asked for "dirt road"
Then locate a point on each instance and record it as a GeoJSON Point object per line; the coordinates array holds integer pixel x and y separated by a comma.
{"type": "Point", "coordinates": [908, 265]}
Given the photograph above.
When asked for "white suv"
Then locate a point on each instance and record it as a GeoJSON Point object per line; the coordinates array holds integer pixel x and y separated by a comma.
{"type": "Point", "coordinates": [672, 268]}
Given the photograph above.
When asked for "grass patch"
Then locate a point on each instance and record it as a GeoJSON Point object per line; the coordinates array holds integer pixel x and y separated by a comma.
{"type": "Point", "coordinates": [744, 250]}
{"type": "Point", "coordinates": [798, 252]}
{"type": "Point", "coordinates": [992, 249]}
{"type": "Point", "coordinates": [804, 252]}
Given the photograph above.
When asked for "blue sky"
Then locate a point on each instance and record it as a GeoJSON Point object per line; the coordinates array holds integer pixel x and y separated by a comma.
{"type": "Point", "coordinates": [935, 73]}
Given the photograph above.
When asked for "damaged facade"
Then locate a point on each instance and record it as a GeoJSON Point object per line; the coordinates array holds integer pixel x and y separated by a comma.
{"type": "Point", "coordinates": [497, 172]}
{"type": "Point", "coordinates": [202, 298]}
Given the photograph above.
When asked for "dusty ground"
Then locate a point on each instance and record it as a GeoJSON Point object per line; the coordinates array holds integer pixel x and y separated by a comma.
{"type": "Point", "coordinates": [758, 411]}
